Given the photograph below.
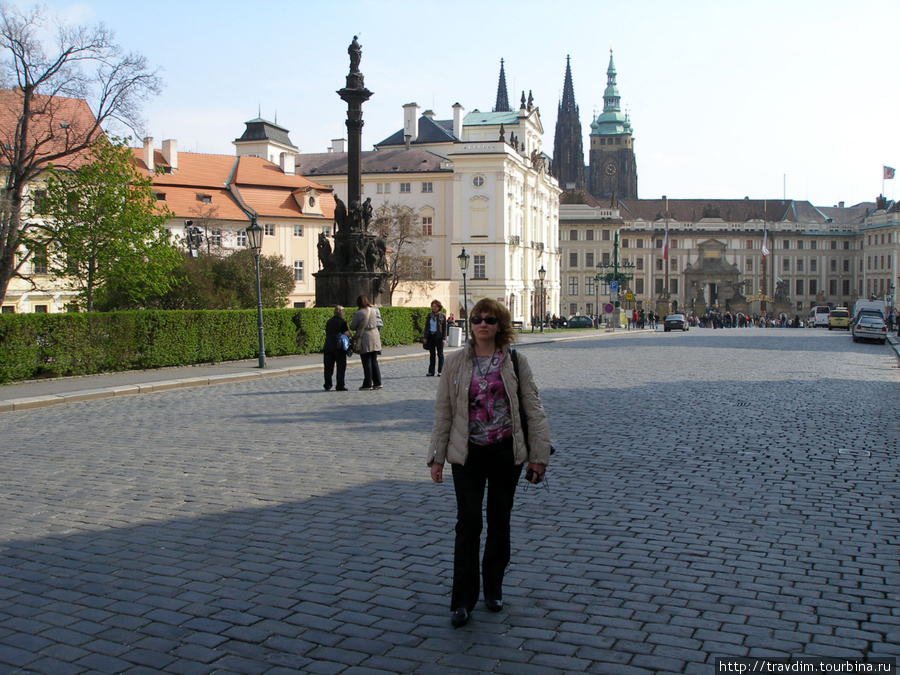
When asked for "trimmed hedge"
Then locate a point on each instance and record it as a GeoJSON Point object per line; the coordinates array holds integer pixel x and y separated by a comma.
{"type": "Point", "coordinates": [57, 345]}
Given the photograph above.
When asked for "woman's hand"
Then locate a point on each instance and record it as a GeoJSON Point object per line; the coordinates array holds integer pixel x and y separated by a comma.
{"type": "Point", "coordinates": [437, 473]}
{"type": "Point", "coordinates": [538, 469]}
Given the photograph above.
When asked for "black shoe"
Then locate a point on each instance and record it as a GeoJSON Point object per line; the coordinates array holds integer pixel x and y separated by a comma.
{"type": "Point", "coordinates": [341, 389]}
{"type": "Point", "coordinates": [494, 605]}
{"type": "Point", "coordinates": [365, 388]}
{"type": "Point", "coordinates": [377, 386]}
{"type": "Point", "coordinates": [327, 387]}
{"type": "Point", "coordinates": [429, 374]}
{"type": "Point", "coordinates": [459, 617]}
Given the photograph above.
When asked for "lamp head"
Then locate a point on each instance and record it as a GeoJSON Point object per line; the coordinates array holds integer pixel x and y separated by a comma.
{"type": "Point", "coordinates": [255, 235]}
{"type": "Point", "coordinates": [463, 259]}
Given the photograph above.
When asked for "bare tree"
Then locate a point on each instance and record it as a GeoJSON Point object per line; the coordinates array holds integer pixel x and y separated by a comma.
{"type": "Point", "coordinates": [401, 229]}
{"type": "Point", "coordinates": [53, 106]}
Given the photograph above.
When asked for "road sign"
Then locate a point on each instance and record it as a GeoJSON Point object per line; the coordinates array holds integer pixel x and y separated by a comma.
{"type": "Point", "coordinates": [614, 286]}
{"type": "Point", "coordinates": [608, 308]}
{"type": "Point", "coordinates": [629, 296]}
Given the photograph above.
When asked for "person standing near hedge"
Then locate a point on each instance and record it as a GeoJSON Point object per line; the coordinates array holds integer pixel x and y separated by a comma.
{"type": "Point", "coordinates": [435, 337]}
{"type": "Point", "coordinates": [333, 351]}
{"type": "Point", "coordinates": [365, 323]}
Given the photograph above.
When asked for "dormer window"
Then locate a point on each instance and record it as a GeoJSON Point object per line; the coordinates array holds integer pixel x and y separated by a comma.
{"type": "Point", "coordinates": [206, 199]}
{"type": "Point", "coordinates": [160, 196]}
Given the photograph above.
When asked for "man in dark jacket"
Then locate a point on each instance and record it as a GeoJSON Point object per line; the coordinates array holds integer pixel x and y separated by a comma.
{"type": "Point", "coordinates": [435, 336]}
{"type": "Point", "coordinates": [333, 351]}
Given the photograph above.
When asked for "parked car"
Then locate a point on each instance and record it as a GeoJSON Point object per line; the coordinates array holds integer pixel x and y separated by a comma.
{"type": "Point", "coordinates": [839, 317]}
{"type": "Point", "coordinates": [558, 323]}
{"type": "Point", "coordinates": [675, 322]}
{"type": "Point", "coordinates": [819, 316]}
{"type": "Point", "coordinates": [869, 327]}
{"type": "Point", "coordinates": [581, 322]}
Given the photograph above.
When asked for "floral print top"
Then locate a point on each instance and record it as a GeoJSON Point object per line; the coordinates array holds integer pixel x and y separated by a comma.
{"type": "Point", "coordinates": [489, 414]}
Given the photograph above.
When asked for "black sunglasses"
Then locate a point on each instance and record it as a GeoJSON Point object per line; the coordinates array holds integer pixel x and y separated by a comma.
{"type": "Point", "coordinates": [489, 320]}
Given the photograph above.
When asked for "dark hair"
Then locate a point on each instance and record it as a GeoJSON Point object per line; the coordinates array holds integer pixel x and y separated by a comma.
{"type": "Point", "coordinates": [438, 303]}
{"type": "Point", "coordinates": [362, 302]}
{"type": "Point", "coordinates": [505, 333]}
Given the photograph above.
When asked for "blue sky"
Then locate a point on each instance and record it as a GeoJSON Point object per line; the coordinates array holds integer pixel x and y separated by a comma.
{"type": "Point", "coordinates": [728, 98]}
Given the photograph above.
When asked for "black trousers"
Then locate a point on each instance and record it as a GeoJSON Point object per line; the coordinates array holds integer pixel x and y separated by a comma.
{"type": "Point", "coordinates": [371, 369]}
{"type": "Point", "coordinates": [332, 359]}
{"type": "Point", "coordinates": [492, 466]}
{"type": "Point", "coordinates": [435, 352]}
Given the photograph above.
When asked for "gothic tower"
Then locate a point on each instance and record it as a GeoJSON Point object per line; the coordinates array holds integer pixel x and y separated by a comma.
{"type": "Point", "coordinates": [568, 151]}
{"type": "Point", "coordinates": [502, 104]}
{"type": "Point", "coordinates": [613, 167]}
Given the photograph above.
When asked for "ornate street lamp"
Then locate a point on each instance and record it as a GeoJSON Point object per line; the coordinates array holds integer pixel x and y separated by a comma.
{"type": "Point", "coordinates": [463, 259]}
{"type": "Point", "coordinates": [255, 237]}
{"type": "Point", "coordinates": [542, 274]}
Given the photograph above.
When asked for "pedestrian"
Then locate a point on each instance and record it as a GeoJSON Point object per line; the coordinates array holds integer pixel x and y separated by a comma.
{"type": "Point", "coordinates": [435, 337]}
{"type": "Point", "coordinates": [478, 430]}
{"type": "Point", "coordinates": [365, 323]}
{"type": "Point", "coordinates": [451, 321]}
{"type": "Point", "coordinates": [332, 350]}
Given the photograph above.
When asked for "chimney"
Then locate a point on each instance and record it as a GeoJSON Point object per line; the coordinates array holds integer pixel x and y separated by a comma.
{"type": "Point", "coordinates": [148, 154]}
{"type": "Point", "coordinates": [411, 121]}
{"type": "Point", "coordinates": [429, 114]}
{"type": "Point", "coordinates": [170, 153]}
{"type": "Point", "coordinates": [841, 204]}
{"type": "Point", "coordinates": [337, 145]}
{"type": "Point", "coordinates": [288, 162]}
{"type": "Point", "coordinates": [457, 121]}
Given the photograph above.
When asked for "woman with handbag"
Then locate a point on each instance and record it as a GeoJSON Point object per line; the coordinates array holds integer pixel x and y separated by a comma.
{"type": "Point", "coordinates": [367, 342]}
{"type": "Point", "coordinates": [333, 350]}
{"type": "Point", "coordinates": [435, 337]}
{"type": "Point", "coordinates": [478, 428]}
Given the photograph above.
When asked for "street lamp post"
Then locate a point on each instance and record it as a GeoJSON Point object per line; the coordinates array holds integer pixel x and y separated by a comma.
{"type": "Point", "coordinates": [255, 237]}
{"type": "Point", "coordinates": [542, 273]}
{"type": "Point", "coordinates": [463, 259]}
{"type": "Point", "coordinates": [608, 272]}
{"type": "Point", "coordinates": [597, 279]}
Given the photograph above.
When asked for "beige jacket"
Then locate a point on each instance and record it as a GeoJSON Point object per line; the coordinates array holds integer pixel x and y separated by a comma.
{"type": "Point", "coordinates": [371, 339]}
{"type": "Point", "coordinates": [450, 433]}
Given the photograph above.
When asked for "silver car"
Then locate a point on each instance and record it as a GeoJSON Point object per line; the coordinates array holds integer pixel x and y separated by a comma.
{"type": "Point", "coordinates": [869, 328]}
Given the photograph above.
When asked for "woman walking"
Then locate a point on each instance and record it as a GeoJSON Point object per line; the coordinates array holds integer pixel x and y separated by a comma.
{"type": "Point", "coordinates": [477, 428]}
{"type": "Point", "coordinates": [333, 351]}
{"type": "Point", "coordinates": [435, 337]}
{"type": "Point", "coordinates": [365, 322]}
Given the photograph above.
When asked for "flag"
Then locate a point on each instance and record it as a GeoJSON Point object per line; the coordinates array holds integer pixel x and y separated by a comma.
{"type": "Point", "coordinates": [765, 248]}
{"type": "Point", "coordinates": [666, 245]}
{"type": "Point", "coordinates": [888, 173]}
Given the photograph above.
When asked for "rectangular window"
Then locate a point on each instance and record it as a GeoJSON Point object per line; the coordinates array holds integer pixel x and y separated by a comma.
{"type": "Point", "coordinates": [573, 259]}
{"type": "Point", "coordinates": [813, 264]}
{"type": "Point", "coordinates": [639, 286]}
{"type": "Point", "coordinates": [673, 285]}
{"type": "Point", "coordinates": [573, 285]}
{"type": "Point", "coordinates": [749, 244]}
{"type": "Point", "coordinates": [659, 286]}
{"type": "Point", "coordinates": [786, 265]}
{"type": "Point", "coordinates": [589, 259]}
{"type": "Point", "coordinates": [215, 237]}
{"type": "Point", "coordinates": [832, 287]}
{"type": "Point", "coordinates": [241, 238]}
{"type": "Point", "coordinates": [847, 243]}
{"type": "Point", "coordinates": [748, 266]}
{"type": "Point", "coordinates": [405, 188]}
{"type": "Point", "coordinates": [573, 308]}
{"type": "Point", "coordinates": [785, 244]}
{"type": "Point", "coordinates": [800, 244]}
{"type": "Point", "coordinates": [429, 268]}
{"type": "Point", "coordinates": [378, 187]}
{"type": "Point", "coordinates": [479, 267]}
{"type": "Point", "coordinates": [834, 264]}
{"type": "Point", "coordinates": [573, 235]}
{"type": "Point", "coordinates": [799, 286]}
{"type": "Point", "coordinates": [847, 264]}
{"type": "Point", "coordinates": [298, 270]}
{"type": "Point", "coordinates": [640, 243]}
{"type": "Point", "coordinates": [813, 286]}
{"type": "Point", "coordinates": [606, 257]}
{"type": "Point", "coordinates": [589, 286]}
{"type": "Point", "coordinates": [270, 230]}
{"type": "Point", "coordinates": [605, 235]}
{"type": "Point", "coordinates": [40, 309]}
{"type": "Point", "coordinates": [799, 264]}
{"type": "Point", "coordinates": [659, 267]}
{"type": "Point", "coordinates": [428, 187]}
{"type": "Point", "coordinates": [625, 243]}
{"type": "Point", "coordinates": [39, 264]}
{"type": "Point", "coordinates": [8, 309]}
{"type": "Point", "coordinates": [589, 235]}
{"type": "Point", "coordinates": [833, 244]}
{"type": "Point", "coordinates": [639, 263]}
{"type": "Point", "coordinates": [40, 201]}
{"type": "Point", "coordinates": [589, 308]}
{"type": "Point", "coordinates": [846, 287]}
{"type": "Point", "coordinates": [298, 230]}
{"type": "Point", "coordinates": [673, 264]}
{"type": "Point", "coordinates": [673, 243]}
{"type": "Point", "coordinates": [427, 226]}
{"type": "Point", "coordinates": [813, 245]}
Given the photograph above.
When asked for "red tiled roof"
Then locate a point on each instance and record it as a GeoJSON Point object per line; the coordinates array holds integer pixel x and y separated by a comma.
{"type": "Point", "coordinates": [57, 124]}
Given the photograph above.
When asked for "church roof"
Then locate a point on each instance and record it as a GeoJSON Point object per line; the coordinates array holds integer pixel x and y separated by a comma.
{"type": "Point", "coordinates": [400, 160]}
{"type": "Point", "coordinates": [430, 131]}
{"type": "Point", "coordinates": [502, 104]}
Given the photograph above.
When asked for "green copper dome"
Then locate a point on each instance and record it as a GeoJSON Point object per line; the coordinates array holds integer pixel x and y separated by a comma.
{"type": "Point", "coordinates": [611, 122]}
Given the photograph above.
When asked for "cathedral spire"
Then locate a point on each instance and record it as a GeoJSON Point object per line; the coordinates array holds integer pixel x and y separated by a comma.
{"type": "Point", "coordinates": [568, 149]}
{"type": "Point", "coordinates": [502, 104]}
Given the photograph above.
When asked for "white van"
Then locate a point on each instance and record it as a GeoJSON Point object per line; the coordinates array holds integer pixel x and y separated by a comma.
{"type": "Point", "coordinates": [869, 306]}
{"type": "Point", "coordinates": [818, 316]}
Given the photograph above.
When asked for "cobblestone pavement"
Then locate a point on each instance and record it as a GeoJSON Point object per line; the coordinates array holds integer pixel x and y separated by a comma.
{"type": "Point", "coordinates": [715, 493]}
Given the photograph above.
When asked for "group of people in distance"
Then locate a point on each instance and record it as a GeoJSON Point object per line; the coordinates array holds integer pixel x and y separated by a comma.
{"type": "Point", "coordinates": [489, 424]}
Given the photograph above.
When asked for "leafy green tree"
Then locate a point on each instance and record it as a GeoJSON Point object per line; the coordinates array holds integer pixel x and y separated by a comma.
{"type": "Point", "coordinates": [103, 230]}
{"type": "Point", "coordinates": [213, 282]}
